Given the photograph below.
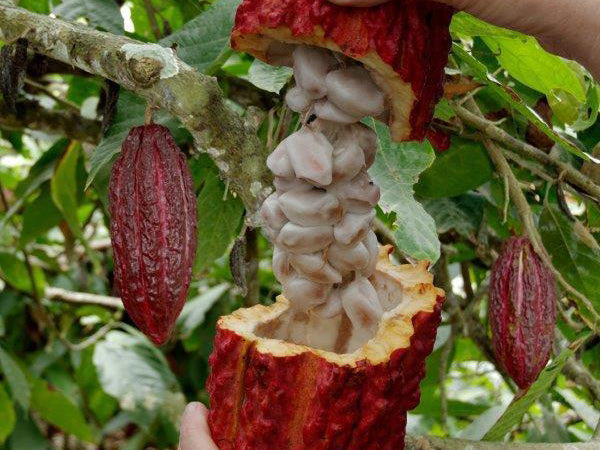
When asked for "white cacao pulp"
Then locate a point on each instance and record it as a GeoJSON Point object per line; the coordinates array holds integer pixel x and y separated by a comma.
{"type": "Point", "coordinates": [321, 216]}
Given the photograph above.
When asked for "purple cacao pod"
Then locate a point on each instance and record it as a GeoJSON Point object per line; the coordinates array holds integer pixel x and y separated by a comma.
{"type": "Point", "coordinates": [522, 311]}
{"type": "Point", "coordinates": [153, 229]}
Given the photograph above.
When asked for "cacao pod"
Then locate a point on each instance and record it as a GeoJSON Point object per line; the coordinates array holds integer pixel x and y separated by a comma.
{"type": "Point", "coordinates": [287, 380]}
{"type": "Point", "coordinates": [153, 229]}
{"type": "Point", "coordinates": [522, 311]}
{"type": "Point", "coordinates": [404, 44]}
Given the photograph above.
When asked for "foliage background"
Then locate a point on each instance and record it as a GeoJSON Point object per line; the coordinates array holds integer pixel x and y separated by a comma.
{"type": "Point", "coordinates": [74, 373]}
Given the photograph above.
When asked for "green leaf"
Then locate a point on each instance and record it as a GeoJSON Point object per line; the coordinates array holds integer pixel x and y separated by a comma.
{"type": "Point", "coordinates": [14, 376]}
{"type": "Point", "coordinates": [509, 97]}
{"type": "Point", "coordinates": [267, 77]}
{"type": "Point", "coordinates": [463, 167]}
{"type": "Point", "coordinates": [55, 408]}
{"type": "Point", "coordinates": [195, 309]}
{"type": "Point", "coordinates": [203, 39]}
{"type": "Point", "coordinates": [526, 61]}
{"type": "Point", "coordinates": [130, 114]}
{"type": "Point", "coordinates": [37, 6]}
{"type": "Point", "coordinates": [14, 271]}
{"type": "Point", "coordinates": [103, 14]}
{"type": "Point", "coordinates": [63, 187]}
{"type": "Point", "coordinates": [577, 261]}
{"type": "Point", "coordinates": [462, 214]}
{"type": "Point", "coordinates": [133, 371]}
{"type": "Point", "coordinates": [515, 411]}
{"type": "Point", "coordinates": [7, 415]}
{"type": "Point", "coordinates": [467, 25]}
{"type": "Point", "coordinates": [40, 172]}
{"type": "Point", "coordinates": [395, 171]}
{"type": "Point", "coordinates": [218, 222]}
{"type": "Point", "coordinates": [165, 11]}
{"type": "Point", "coordinates": [39, 217]}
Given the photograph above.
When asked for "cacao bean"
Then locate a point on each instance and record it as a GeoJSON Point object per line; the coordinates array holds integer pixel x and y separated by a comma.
{"type": "Point", "coordinates": [353, 227]}
{"type": "Point", "coordinates": [298, 239]}
{"type": "Point", "coordinates": [311, 208]}
{"type": "Point", "coordinates": [306, 294]}
{"type": "Point", "coordinates": [311, 156]}
{"type": "Point", "coordinates": [315, 268]}
{"type": "Point", "coordinates": [326, 110]}
{"type": "Point", "coordinates": [311, 66]}
{"type": "Point", "coordinates": [298, 99]}
{"type": "Point", "coordinates": [279, 163]}
{"type": "Point", "coordinates": [361, 304]}
{"type": "Point", "coordinates": [353, 91]}
{"type": "Point", "coordinates": [348, 158]}
{"type": "Point", "coordinates": [348, 259]}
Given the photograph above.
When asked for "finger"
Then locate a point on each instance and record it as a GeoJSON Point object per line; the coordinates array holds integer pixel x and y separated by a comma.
{"type": "Point", "coordinates": [194, 433]}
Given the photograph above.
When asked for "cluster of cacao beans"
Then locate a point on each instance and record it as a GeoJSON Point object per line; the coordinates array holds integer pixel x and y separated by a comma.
{"type": "Point", "coordinates": [152, 205]}
{"type": "Point", "coordinates": [522, 311]}
{"type": "Point", "coordinates": [320, 216]}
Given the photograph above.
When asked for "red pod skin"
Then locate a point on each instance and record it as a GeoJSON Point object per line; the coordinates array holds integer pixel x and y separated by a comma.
{"type": "Point", "coordinates": [405, 42]}
{"type": "Point", "coordinates": [267, 394]}
{"type": "Point", "coordinates": [153, 229]}
{"type": "Point", "coordinates": [522, 311]}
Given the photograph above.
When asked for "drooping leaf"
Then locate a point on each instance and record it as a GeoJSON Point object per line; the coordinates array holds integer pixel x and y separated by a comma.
{"type": "Point", "coordinates": [218, 222]}
{"type": "Point", "coordinates": [132, 370]}
{"type": "Point", "coordinates": [195, 309]}
{"type": "Point", "coordinates": [463, 167]}
{"type": "Point", "coordinates": [515, 411]}
{"type": "Point", "coordinates": [103, 14]}
{"type": "Point", "coordinates": [396, 170]}
{"type": "Point", "coordinates": [63, 188]}
{"type": "Point", "coordinates": [55, 408]}
{"type": "Point", "coordinates": [206, 37]}
{"type": "Point", "coordinates": [7, 415]}
{"type": "Point", "coordinates": [15, 272]}
{"type": "Point", "coordinates": [39, 217]}
{"type": "Point", "coordinates": [15, 378]}
{"type": "Point", "coordinates": [267, 77]}
{"type": "Point", "coordinates": [576, 260]}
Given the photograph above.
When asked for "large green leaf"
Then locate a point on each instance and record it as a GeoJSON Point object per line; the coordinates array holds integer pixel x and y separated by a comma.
{"type": "Point", "coordinates": [7, 415]}
{"type": "Point", "coordinates": [15, 378]}
{"type": "Point", "coordinates": [203, 39]}
{"type": "Point", "coordinates": [195, 309]}
{"type": "Point", "coordinates": [218, 222]}
{"type": "Point", "coordinates": [55, 408]}
{"type": "Point", "coordinates": [515, 411]}
{"type": "Point", "coordinates": [576, 260]}
{"type": "Point", "coordinates": [269, 78]}
{"type": "Point", "coordinates": [465, 25]}
{"type": "Point", "coordinates": [15, 272]}
{"type": "Point", "coordinates": [63, 187]}
{"type": "Point", "coordinates": [463, 167]}
{"type": "Point", "coordinates": [396, 170]}
{"type": "Point", "coordinates": [462, 214]}
{"type": "Point", "coordinates": [39, 217]}
{"type": "Point", "coordinates": [103, 14]}
{"type": "Point", "coordinates": [511, 99]}
{"type": "Point", "coordinates": [133, 371]}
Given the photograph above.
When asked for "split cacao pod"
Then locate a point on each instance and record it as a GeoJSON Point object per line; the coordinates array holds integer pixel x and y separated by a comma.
{"type": "Point", "coordinates": [404, 44]}
{"type": "Point", "coordinates": [279, 380]}
{"type": "Point", "coordinates": [522, 311]}
{"type": "Point", "coordinates": [153, 228]}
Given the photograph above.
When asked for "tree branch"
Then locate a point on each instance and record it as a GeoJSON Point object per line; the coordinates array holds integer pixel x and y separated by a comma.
{"type": "Point", "coordinates": [488, 128]}
{"type": "Point", "coordinates": [35, 117]}
{"type": "Point", "coordinates": [156, 74]}
{"type": "Point", "coordinates": [82, 298]}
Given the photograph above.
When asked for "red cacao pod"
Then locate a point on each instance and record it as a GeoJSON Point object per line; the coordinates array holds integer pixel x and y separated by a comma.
{"type": "Point", "coordinates": [522, 311]}
{"type": "Point", "coordinates": [404, 44]}
{"type": "Point", "coordinates": [287, 380]}
{"type": "Point", "coordinates": [153, 228]}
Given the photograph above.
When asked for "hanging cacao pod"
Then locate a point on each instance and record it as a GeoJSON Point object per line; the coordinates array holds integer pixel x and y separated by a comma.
{"type": "Point", "coordinates": [285, 380]}
{"type": "Point", "coordinates": [153, 229]}
{"type": "Point", "coordinates": [522, 311]}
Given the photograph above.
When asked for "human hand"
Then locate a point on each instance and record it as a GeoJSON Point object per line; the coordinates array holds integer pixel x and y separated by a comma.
{"type": "Point", "coordinates": [194, 433]}
{"type": "Point", "coordinates": [565, 27]}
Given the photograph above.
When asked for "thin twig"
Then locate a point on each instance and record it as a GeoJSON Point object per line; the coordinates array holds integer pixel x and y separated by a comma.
{"type": "Point", "coordinates": [91, 340]}
{"type": "Point", "coordinates": [572, 175]}
{"type": "Point", "coordinates": [152, 19]}
{"type": "Point", "coordinates": [529, 226]}
{"type": "Point", "coordinates": [82, 298]}
{"type": "Point", "coordinates": [52, 95]}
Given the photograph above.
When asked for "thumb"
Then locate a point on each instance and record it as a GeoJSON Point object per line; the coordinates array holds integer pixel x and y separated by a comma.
{"type": "Point", "coordinates": [194, 432]}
